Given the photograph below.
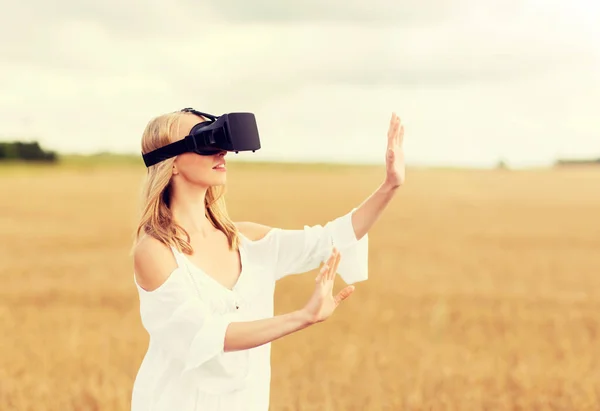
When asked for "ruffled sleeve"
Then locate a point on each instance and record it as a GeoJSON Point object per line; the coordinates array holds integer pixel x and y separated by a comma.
{"type": "Point", "coordinates": [299, 251]}
{"type": "Point", "coordinates": [180, 323]}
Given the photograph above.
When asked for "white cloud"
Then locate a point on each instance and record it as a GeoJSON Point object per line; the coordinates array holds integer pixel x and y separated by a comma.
{"type": "Point", "coordinates": [376, 12]}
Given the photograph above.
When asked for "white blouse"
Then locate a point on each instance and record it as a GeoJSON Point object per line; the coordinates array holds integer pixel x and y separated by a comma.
{"type": "Point", "coordinates": [185, 366]}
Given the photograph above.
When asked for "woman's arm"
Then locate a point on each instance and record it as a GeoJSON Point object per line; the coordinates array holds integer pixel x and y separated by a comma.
{"type": "Point", "coordinates": [371, 209]}
{"type": "Point", "coordinates": [250, 334]}
{"type": "Point", "coordinates": [298, 251]}
{"type": "Point", "coordinates": [365, 215]}
{"type": "Point", "coordinates": [322, 303]}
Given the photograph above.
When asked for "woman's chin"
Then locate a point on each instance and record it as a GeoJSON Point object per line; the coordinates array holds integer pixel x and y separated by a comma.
{"type": "Point", "coordinates": [220, 180]}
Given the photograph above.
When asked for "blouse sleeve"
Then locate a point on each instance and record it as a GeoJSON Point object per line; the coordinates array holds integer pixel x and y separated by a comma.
{"type": "Point", "coordinates": [299, 251]}
{"type": "Point", "coordinates": [179, 322]}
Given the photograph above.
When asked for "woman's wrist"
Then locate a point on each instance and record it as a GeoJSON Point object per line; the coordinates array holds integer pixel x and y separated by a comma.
{"type": "Point", "coordinates": [303, 317]}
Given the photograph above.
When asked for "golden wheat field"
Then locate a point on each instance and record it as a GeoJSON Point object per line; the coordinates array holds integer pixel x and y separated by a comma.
{"type": "Point", "coordinates": [484, 289]}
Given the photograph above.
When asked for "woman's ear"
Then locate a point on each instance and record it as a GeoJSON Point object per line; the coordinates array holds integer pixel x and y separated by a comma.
{"type": "Point", "coordinates": [174, 170]}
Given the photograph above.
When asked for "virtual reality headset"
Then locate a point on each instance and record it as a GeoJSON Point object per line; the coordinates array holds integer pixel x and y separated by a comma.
{"type": "Point", "coordinates": [228, 132]}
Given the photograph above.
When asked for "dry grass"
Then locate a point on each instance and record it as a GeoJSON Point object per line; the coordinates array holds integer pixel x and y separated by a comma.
{"type": "Point", "coordinates": [484, 291]}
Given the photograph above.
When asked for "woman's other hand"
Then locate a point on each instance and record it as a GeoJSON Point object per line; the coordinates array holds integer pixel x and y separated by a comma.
{"type": "Point", "coordinates": [322, 303]}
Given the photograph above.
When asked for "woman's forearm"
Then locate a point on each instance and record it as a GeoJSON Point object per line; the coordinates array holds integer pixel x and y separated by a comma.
{"type": "Point", "coordinates": [250, 334]}
{"type": "Point", "coordinates": [370, 210]}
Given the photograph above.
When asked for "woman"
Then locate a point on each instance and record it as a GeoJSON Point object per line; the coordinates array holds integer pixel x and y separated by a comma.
{"type": "Point", "coordinates": [206, 283]}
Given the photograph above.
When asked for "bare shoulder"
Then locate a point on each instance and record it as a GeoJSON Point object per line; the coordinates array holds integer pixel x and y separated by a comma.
{"type": "Point", "coordinates": [253, 231]}
{"type": "Point", "coordinates": [153, 262]}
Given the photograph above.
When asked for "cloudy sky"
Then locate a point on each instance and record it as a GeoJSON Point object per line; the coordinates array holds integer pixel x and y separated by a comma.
{"type": "Point", "coordinates": [473, 80]}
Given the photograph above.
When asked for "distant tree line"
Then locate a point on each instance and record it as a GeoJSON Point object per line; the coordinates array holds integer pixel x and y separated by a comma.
{"type": "Point", "coordinates": [25, 151]}
{"type": "Point", "coordinates": [577, 162]}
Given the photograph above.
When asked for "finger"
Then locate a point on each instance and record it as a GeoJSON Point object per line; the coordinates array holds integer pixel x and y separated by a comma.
{"type": "Point", "coordinates": [394, 122]}
{"type": "Point", "coordinates": [392, 129]}
{"type": "Point", "coordinates": [334, 266]}
{"type": "Point", "coordinates": [331, 257]}
{"type": "Point", "coordinates": [343, 294]}
{"type": "Point", "coordinates": [400, 137]}
{"type": "Point", "coordinates": [334, 251]}
{"type": "Point", "coordinates": [322, 272]}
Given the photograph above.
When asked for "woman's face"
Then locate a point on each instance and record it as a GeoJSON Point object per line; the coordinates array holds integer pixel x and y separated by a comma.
{"type": "Point", "coordinates": [198, 169]}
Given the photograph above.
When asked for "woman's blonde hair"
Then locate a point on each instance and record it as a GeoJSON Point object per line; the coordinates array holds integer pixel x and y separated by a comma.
{"type": "Point", "coordinates": [156, 218]}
